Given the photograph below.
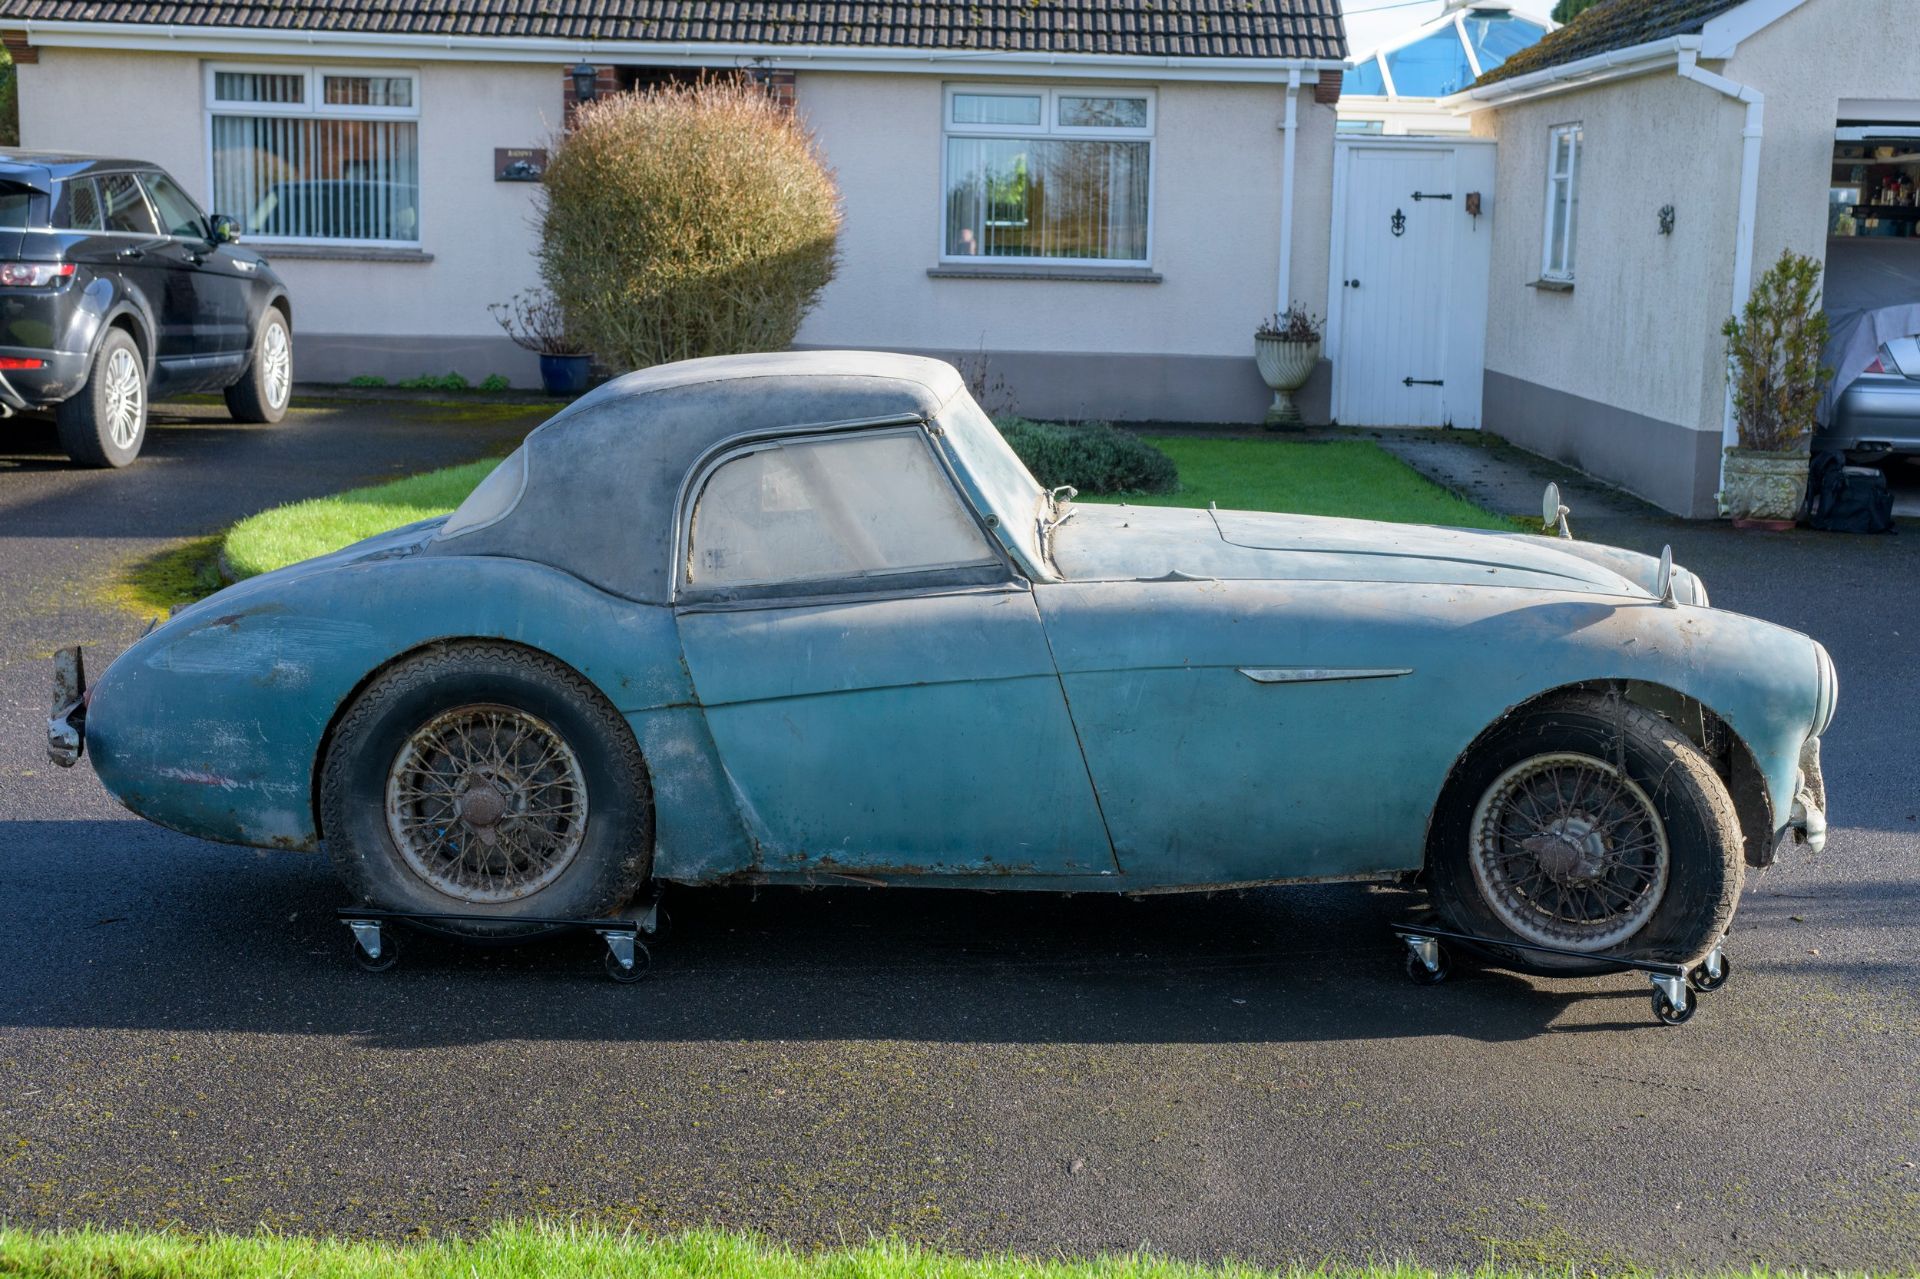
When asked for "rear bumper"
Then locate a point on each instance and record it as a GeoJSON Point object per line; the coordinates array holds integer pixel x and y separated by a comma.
{"type": "Point", "coordinates": [67, 724]}
{"type": "Point", "coordinates": [60, 375]}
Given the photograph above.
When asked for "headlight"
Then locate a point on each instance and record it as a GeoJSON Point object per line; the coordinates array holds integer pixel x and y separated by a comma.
{"type": "Point", "coordinates": [1829, 699]}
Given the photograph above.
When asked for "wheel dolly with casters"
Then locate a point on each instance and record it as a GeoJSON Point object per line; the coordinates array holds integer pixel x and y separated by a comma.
{"type": "Point", "coordinates": [376, 947]}
{"type": "Point", "coordinates": [1674, 985]}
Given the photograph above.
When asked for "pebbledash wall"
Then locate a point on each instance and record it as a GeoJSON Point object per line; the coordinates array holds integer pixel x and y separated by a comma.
{"type": "Point", "coordinates": [1620, 376]}
{"type": "Point", "coordinates": [1624, 376]}
{"type": "Point", "coordinates": [1173, 344]}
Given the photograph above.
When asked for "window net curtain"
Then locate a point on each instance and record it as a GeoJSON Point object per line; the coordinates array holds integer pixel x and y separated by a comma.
{"type": "Point", "coordinates": [304, 178]}
{"type": "Point", "coordinates": [1047, 198]}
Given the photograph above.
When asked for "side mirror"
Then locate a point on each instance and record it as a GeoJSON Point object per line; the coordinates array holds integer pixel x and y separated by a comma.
{"type": "Point", "coordinates": [1552, 514]}
{"type": "Point", "coordinates": [1663, 578]}
{"type": "Point", "coordinates": [226, 230]}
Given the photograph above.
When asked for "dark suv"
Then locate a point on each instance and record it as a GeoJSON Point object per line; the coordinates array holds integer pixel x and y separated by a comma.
{"type": "Point", "coordinates": [114, 287]}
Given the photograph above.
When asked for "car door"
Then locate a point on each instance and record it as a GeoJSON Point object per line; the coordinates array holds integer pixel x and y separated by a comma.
{"type": "Point", "coordinates": [219, 289]}
{"type": "Point", "coordinates": [873, 671]}
{"type": "Point", "coordinates": [134, 248]}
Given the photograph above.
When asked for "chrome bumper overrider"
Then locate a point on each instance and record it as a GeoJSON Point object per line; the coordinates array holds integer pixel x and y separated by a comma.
{"type": "Point", "coordinates": [1808, 821]}
{"type": "Point", "coordinates": [67, 725]}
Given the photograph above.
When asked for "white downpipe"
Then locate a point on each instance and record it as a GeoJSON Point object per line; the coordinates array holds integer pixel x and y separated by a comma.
{"type": "Point", "coordinates": [1750, 138]}
{"type": "Point", "coordinates": [1290, 130]}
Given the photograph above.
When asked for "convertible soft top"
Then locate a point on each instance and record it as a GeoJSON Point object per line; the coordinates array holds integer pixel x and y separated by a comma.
{"type": "Point", "coordinates": [599, 482]}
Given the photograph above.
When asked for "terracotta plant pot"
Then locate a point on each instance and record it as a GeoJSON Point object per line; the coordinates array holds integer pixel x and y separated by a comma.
{"type": "Point", "coordinates": [1763, 489]}
{"type": "Point", "coordinates": [1285, 366]}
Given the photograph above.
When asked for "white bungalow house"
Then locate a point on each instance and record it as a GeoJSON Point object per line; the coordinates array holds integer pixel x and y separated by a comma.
{"type": "Point", "coordinates": [1652, 157]}
{"type": "Point", "coordinates": [1396, 88]}
{"type": "Point", "coordinates": [1209, 125]}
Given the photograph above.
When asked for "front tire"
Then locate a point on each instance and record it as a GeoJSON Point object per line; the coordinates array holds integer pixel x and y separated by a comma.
{"type": "Point", "coordinates": [104, 423]}
{"type": "Point", "coordinates": [486, 779]}
{"type": "Point", "coordinates": [263, 392]}
{"type": "Point", "coordinates": [1588, 824]}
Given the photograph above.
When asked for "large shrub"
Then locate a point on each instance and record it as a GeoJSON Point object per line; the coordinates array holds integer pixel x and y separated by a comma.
{"type": "Point", "coordinates": [1773, 348]}
{"type": "Point", "coordinates": [1091, 456]}
{"type": "Point", "coordinates": [685, 221]}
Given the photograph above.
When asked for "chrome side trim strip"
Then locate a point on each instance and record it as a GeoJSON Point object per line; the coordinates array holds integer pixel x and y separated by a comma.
{"type": "Point", "coordinates": [1317, 674]}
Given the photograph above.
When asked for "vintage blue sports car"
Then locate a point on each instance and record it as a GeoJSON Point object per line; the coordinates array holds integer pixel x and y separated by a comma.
{"type": "Point", "coordinates": [806, 618]}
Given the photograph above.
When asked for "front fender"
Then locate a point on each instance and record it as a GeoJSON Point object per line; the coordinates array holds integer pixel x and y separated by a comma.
{"type": "Point", "coordinates": [213, 725]}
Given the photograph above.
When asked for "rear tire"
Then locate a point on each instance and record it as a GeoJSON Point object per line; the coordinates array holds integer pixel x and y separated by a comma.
{"type": "Point", "coordinates": [1588, 823]}
{"type": "Point", "coordinates": [104, 423]}
{"type": "Point", "coordinates": [484, 779]}
{"type": "Point", "coordinates": [264, 390]}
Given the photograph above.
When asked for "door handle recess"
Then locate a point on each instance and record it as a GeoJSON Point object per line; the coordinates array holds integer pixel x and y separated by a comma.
{"type": "Point", "coordinates": [129, 254]}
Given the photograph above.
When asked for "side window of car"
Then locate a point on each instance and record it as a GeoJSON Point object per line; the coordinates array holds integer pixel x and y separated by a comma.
{"type": "Point", "coordinates": [179, 215]}
{"type": "Point", "coordinates": [123, 207]}
{"type": "Point", "coordinates": [79, 206]}
{"type": "Point", "coordinates": [830, 509]}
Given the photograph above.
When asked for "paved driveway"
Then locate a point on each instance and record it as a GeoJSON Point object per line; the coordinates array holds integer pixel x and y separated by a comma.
{"type": "Point", "coordinates": [183, 1039]}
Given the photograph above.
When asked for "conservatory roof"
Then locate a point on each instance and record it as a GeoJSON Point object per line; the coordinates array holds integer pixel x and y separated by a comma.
{"type": "Point", "coordinates": [1445, 54]}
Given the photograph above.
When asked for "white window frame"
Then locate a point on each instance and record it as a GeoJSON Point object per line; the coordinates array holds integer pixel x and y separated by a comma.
{"type": "Point", "coordinates": [312, 108]}
{"type": "Point", "coordinates": [1049, 95]}
{"type": "Point", "coordinates": [1560, 272]}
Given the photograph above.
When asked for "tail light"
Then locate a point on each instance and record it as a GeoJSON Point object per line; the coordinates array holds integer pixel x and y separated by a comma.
{"type": "Point", "coordinates": [34, 274]}
{"type": "Point", "coordinates": [1875, 367]}
{"type": "Point", "coordinates": [20, 362]}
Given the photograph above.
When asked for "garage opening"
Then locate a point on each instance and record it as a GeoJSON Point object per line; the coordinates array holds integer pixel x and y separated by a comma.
{"type": "Point", "coordinates": [1871, 408]}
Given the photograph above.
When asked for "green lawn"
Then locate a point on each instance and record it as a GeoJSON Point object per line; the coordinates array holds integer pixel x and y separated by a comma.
{"type": "Point", "coordinates": [1344, 477]}
{"type": "Point", "coordinates": [566, 1252]}
{"type": "Point", "coordinates": [1355, 478]}
{"type": "Point", "coordinates": [301, 530]}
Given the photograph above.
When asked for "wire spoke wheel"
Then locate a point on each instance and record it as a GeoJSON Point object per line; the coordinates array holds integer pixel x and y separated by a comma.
{"type": "Point", "coordinates": [487, 803]}
{"type": "Point", "coordinates": [125, 397]}
{"type": "Point", "coordinates": [1568, 851]}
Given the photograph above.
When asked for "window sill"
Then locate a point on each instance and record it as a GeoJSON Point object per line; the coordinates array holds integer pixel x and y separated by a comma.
{"type": "Point", "coordinates": [1095, 274]}
{"type": "Point", "coordinates": [331, 253]}
{"type": "Point", "coordinates": [1551, 286]}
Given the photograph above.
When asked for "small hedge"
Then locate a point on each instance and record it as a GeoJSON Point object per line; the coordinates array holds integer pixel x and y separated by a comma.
{"type": "Point", "coordinates": [1091, 456]}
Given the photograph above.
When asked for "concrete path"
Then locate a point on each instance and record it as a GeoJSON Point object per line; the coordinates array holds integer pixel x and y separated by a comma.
{"type": "Point", "coordinates": [184, 1040]}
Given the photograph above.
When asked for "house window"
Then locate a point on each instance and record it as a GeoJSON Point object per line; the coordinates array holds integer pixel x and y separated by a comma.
{"type": "Point", "coordinates": [1048, 174]}
{"type": "Point", "coordinates": [316, 155]}
{"type": "Point", "coordinates": [1563, 201]}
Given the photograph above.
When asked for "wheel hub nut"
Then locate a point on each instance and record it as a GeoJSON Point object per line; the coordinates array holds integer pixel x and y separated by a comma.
{"type": "Point", "coordinates": [482, 807]}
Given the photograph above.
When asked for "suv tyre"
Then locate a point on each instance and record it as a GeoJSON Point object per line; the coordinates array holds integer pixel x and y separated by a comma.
{"type": "Point", "coordinates": [104, 423]}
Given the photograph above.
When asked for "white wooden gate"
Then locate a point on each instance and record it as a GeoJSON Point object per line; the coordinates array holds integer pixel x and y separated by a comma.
{"type": "Point", "coordinates": [1407, 298]}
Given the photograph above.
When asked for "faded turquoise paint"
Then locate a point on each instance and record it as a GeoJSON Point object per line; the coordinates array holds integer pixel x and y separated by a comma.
{"type": "Point", "coordinates": [1338, 778]}
{"type": "Point", "coordinates": [879, 735]}
{"type": "Point", "coordinates": [213, 724]}
{"type": "Point", "coordinates": [1088, 732]}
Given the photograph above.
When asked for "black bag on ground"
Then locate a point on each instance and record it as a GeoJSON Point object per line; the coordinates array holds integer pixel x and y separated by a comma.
{"type": "Point", "coordinates": [1847, 499]}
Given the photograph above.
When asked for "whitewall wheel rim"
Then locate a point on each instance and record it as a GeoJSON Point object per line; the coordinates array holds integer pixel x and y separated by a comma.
{"type": "Point", "coordinates": [1569, 851]}
{"type": "Point", "coordinates": [276, 364]}
{"type": "Point", "coordinates": [122, 388]}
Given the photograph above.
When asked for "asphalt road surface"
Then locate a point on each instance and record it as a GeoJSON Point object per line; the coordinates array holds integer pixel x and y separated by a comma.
{"type": "Point", "coordinates": [183, 1038]}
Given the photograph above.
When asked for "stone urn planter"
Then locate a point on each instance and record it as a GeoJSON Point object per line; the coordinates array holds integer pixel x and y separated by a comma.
{"type": "Point", "coordinates": [1763, 489]}
{"type": "Point", "coordinates": [1286, 349]}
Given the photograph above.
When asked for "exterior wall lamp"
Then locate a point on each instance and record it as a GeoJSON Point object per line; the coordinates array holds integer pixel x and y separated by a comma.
{"type": "Point", "coordinates": [586, 82]}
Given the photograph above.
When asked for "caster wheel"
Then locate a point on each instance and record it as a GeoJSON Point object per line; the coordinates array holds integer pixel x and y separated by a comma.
{"type": "Point", "coordinates": [642, 961]}
{"type": "Point", "coordinates": [1669, 1015]}
{"type": "Point", "coordinates": [1702, 982]}
{"type": "Point", "coordinates": [1420, 975]}
{"type": "Point", "coordinates": [389, 953]}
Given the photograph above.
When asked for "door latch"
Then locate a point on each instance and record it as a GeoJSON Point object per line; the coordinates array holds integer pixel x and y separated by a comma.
{"type": "Point", "coordinates": [1423, 381]}
{"type": "Point", "coordinates": [1432, 195]}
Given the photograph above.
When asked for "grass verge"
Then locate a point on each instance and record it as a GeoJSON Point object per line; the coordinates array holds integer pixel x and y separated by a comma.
{"type": "Point", "coordinates": [1353, 478]}
{"type": "Point", "coordinates": [564, 1252]}
{"type": "Point", "coordinates": [301, 530]}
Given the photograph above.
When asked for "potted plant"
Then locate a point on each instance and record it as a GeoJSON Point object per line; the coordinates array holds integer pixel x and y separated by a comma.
{"type": "Point", "coordinates": [535, 323]}
{"type": "Point", "coordinates": [1287, 347]}
{"type": "Point", "coordinates": [1773, 352]}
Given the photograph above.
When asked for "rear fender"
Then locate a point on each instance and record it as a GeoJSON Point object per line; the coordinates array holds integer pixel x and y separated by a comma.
{"type": "Point", "coordinates": [214, 724]}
